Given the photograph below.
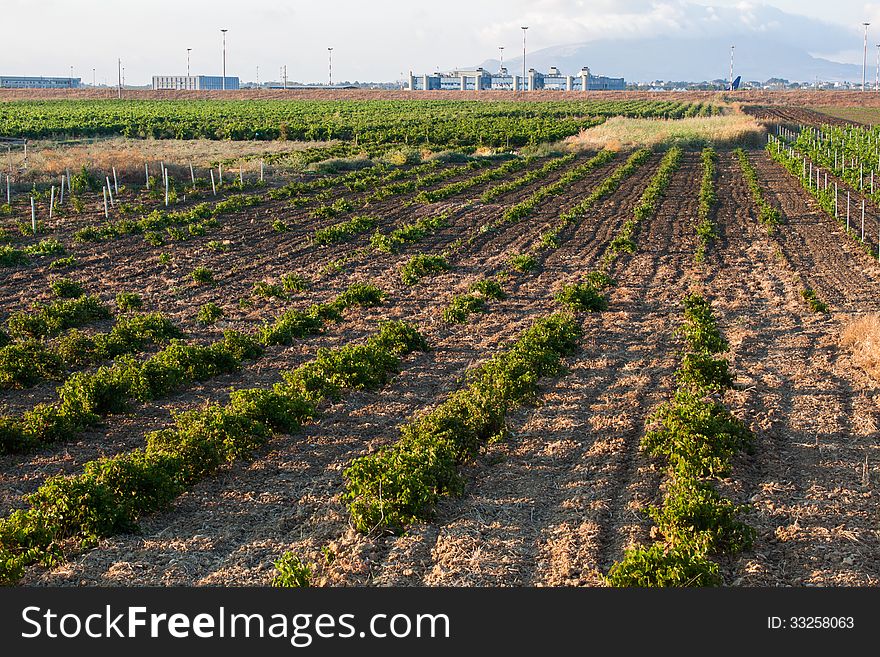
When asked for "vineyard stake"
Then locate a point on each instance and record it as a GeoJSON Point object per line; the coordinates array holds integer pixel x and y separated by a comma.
{"type": "Point", "coordinates": [147, 174]}
{"type": "Point", "coordinates": [836, 213]}
{"type": "Point", "coordinates": [220, 173]}
{"type": "Point", "coordinates": [61, 202]}
{"type": "Point", "coordinates": [33, 215]}
{"type": "Point", "coordinates": [261, 170]}
{"type": "Point", "coordinates": [166, 191]}
{"type": "Point", "coordinates": [8, 191]}
{"type": "Point", "coordinates": [240, 174]}
{"type": "Point", "coordinates": [847, 210]}
{"type": "Point", "coordinates": [863, 220]}
{"type": "Point", "coordinates": [69, 190]}
{"type": "Point", "coordinates": [213, 186]}
{"type": "Point", "coordinates": [115, 183]}
{"type": "Point", "coordinates": [106, 212]}
{"type": "Point", "coordinates": [109, 191]}
{"type": "Point", "coordinates": [192, 174]}
{"type": "Point", "coordinates": [52, 201]}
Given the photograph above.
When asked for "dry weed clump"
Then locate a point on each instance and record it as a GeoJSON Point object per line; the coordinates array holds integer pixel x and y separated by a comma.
{"type": "Point", "coordinates": [698, 131]}
{"type": "Point", "coordinates": [862, 337]}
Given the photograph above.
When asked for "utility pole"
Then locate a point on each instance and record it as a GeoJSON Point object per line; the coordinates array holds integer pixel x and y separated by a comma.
{"type": "Point", "coordinates": [258, 75]}
{"type": "Point", "coordinates": [94, 82]}
{"type": "Point", "coordinates": [223, 82]}
{"type": "Point", "coordinates": [119, 78]}
{"type": "Point", "coordinates": [731, 68]}
{"type": "Point", "coordinates": [865, 57]}
{"type": "Point", "coordinates": [525, 83]}
{"type": "Point", "coordinates": [877, 80]}
{"type": "Point", "coordinates": [188, 50]}
{"type": "Point", "coordinates": [330, 55]}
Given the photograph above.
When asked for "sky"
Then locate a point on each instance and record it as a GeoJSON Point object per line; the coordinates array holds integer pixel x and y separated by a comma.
{"type": "Point", "coordinates": [382, 40]}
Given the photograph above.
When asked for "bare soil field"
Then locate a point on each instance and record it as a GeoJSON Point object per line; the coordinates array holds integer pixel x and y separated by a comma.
{"type": "Point", "coordinates": [801, 98]}
{"type": "Point", "coordinates": [558, 501]}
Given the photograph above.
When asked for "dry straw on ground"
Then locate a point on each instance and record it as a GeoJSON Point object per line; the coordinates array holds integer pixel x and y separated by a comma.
{"type": "Point", "coordinates": [862, 336]}
{"type": "Point", "coordinates": [733, 129]}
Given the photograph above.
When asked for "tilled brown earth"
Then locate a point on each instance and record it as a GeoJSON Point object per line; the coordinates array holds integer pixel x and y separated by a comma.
{"type": "Point", "coordinates": [246, 516]}
{"type": "Point", "coordinates": [558, 501]}
{"type": "Point", "coordinates": [811, 479]}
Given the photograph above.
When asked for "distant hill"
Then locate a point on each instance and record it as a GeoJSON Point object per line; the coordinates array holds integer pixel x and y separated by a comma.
{"type": "Point", "coordinates": [693, 59]}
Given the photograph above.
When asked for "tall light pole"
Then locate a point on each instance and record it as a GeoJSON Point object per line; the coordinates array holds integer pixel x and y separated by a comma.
{"type": "Point", "coordinates": [865, 57]}
{"type": "Point", "coordinates": [525, 84]}
{"type": "Point", "coordinates": [330, 65]}
{"type": "Point", "coordinates": [501, 50]}
{"type": "Point", "coordinates": [71, 77]}
{"type": "Point", "coordinates": [188, 50]}
{"type": "Point", "coordinates": [223, 81]}
{"type": "Point", "coordinates": [877, 80]}
{"type": "Point", "coordinates": [731, 68]}
{"type": "Point", "coordinates": [94, 82]}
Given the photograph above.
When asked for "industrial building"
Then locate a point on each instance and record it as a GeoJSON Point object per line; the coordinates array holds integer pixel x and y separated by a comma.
{"type": "Point", "coordinates": [480, 80]}
{"type": "Point", "coordinates": [193, 82]}
{"type": "Point", "coordinates": [24, 82]}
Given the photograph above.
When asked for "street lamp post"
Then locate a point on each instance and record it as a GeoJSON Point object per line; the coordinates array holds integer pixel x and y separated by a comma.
{"type": "Point", "coordinates": [731, 68]}
{"type": "Point", "coordinates": [188, 50]}
{"type": "Point", "coordinates": [877, 79]}
{"type": "Point", "coordinates": [330, 65]}
{"type": "Point", "coordinates": [525, 83]}
{"type": "Point", "coordinates": [223, 81]}
{"type": "Point", "coordinates": [865, 57]}
{"type": "Point", "coordinates": [501, 50]}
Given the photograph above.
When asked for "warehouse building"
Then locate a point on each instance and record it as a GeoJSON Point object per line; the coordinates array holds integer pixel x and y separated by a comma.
{"type": "Point", "coordinates": [24, 82]}
{"type": "Point", "coordinates": [193, 82]}
{"type": "Point", "coordinates": [480, 79]}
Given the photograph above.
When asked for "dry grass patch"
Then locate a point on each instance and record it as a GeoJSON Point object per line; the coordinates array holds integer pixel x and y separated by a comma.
{"type": "Point", "coordinates": [699, 131]}
{"type": "Point", "coordinates": [128, 155]}
{"type": "Point", "coordinates": [862, 337]}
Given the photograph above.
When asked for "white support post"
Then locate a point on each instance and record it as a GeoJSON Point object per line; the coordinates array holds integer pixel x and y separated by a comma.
{"type": "Point", "coordinates": [61, 202]}
{"type": "Point", "coordinates": [192, 174]}
{"type": "Point", "coordinates": [109, 191]}
{"type": "Point", "coordinates": [166, 191]}
{"type": "Point", "coordinates": [52, 202]}
{"type": "Point", "coordinates": [836, 213]}
{"type": "Point", "coordinates": [240, 174]}
{"type": "Point", "coordinates": [261, 170]}
{"type": "Point", "coordinates": [8, 191]}
{"type": "Point", "coordinates": [147, 175]}
{"type": "Point", "coordinates": [106, 210]}
{"type": "Point", "coordinates": [115, 183]}
{"type": "Point", "coordinates": [863, 220]}
{"type": "Point", "coordinates": [69, 190]}
{"type": "Point", "coordinates": [847, 210]}
{"type": "Point", "coordinates": [219, 173]}
{"type": "Point", "coordinates": [33, 215]}
{"type": "Point", "coordinates": [213, 186]}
